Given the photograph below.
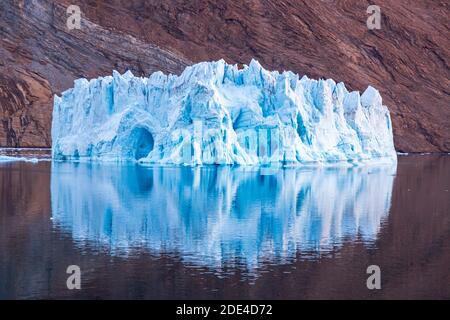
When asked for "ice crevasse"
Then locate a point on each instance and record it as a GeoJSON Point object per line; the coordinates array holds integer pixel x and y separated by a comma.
{"type": "Point", "coordinates": [216, 113]}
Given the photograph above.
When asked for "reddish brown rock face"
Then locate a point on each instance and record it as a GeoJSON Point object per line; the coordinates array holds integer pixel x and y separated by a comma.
{"type": "Point", "coordinates": [407, 59]}
{"type": "Point", "coordinates": [40, 57]}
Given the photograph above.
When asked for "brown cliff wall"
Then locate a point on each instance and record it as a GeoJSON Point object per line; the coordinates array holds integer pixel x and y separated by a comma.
{"type": "Point", "coordinates": [407, 60]}
{"type": "Point", "coordinates": [40, 57]}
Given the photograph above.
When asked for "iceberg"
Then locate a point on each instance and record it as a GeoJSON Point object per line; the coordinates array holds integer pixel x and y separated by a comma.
{"type": "Point", "coordinates": [217, 113]}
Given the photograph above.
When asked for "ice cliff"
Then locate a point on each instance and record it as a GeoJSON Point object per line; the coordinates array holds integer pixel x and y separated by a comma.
{"type": "Point", "coordinates": [216, 113]}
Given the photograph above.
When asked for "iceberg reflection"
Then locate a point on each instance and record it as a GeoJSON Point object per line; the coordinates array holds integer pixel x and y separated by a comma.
{"type": "Point", "coordinates": [219, 216]}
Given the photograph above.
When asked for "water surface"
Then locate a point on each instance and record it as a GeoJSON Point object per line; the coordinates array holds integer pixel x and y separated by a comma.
{"type": "Point", "coordinates": [221, 232]}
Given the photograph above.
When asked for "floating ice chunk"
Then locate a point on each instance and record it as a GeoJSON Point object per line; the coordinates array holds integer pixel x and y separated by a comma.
{"type": "Point", "coordinates": [14, 159]}
{"type": "Point", "coordinates": [215, 113]}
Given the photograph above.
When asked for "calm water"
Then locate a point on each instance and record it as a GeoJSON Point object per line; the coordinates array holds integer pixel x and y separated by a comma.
{"type": "Point", "coordinates": [220, 232]}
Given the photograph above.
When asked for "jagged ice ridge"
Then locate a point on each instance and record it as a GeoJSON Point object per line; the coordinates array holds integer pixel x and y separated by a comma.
{"type": "Point", "coordinates": [216, 113]}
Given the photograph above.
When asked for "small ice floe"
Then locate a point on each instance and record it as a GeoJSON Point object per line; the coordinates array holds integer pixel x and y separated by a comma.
{"type": "Point", "coordinates": [14, 159]}
{"type": "Point", "coordinates": [25, 149]}
{"type": "Point", "coordinates": [402, 153]}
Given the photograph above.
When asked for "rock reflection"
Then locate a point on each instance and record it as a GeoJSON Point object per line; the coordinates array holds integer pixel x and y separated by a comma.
{"type": "Point", "coordinates": [220, 216]}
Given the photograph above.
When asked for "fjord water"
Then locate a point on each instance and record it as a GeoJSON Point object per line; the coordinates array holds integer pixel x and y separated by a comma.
{"type": "Point", "coordinates": [222, 232]}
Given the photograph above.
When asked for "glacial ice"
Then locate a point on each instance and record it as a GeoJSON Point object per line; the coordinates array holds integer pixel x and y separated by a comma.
{"type": "Point", "coordinates": [216, 113]}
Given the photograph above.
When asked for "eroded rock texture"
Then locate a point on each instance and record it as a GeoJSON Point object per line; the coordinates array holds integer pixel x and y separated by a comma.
{"type": "Point", "coordinates": [407, 60]}
{"type": "Point", "coordinates": [41, 57]}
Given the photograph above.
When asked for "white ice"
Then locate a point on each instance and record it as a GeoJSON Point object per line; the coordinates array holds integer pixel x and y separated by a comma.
{"type": "Point", "coordinates": [216, 113]}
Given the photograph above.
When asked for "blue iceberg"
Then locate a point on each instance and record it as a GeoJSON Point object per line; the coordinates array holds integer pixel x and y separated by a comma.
{"type": "Point", "coordinates": [216, 113]}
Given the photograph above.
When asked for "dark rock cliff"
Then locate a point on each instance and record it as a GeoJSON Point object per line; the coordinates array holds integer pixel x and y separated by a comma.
{"type": "Point", "coordinates": [407, 59]}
